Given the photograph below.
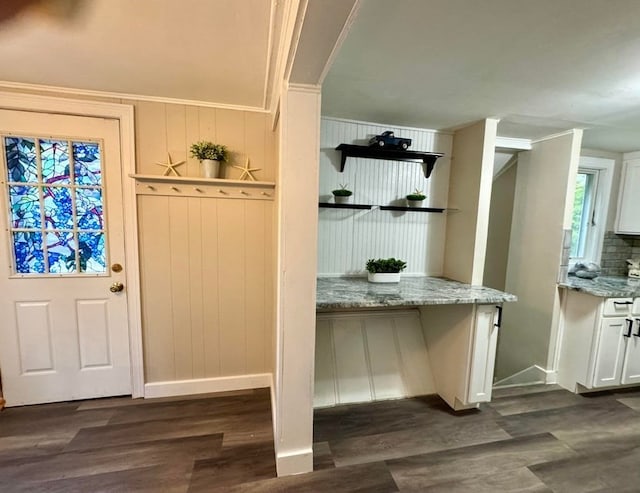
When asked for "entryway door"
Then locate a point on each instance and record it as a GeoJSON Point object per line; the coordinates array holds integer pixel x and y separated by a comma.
{"type": "Point", "coordinates": [63, 310]}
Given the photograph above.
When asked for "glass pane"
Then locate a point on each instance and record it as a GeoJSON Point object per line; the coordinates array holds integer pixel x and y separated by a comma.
{"type": "Point", "coordinates": [92, 253]}
{"type": "Point", "coordinates": [27, 247]}
{"type": "Point", "coordinates": [58, 211]}
{"type": "Point", "coordinates": [86, 156]}
{"type": "Point", "coordinates": [21, 159]}
{"type": "Point", "coordinates": [25, 207]}
{"type": "Point", "coordinates": [55, 161]}
{"type": "Point", "coordinates": [61, 252]}
{"type": "Point", "coordinates": [89, 208]}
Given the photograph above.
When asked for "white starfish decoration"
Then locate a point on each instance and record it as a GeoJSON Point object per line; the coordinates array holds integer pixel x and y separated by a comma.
{"type": "Point", "coordinates": [246, 171]}
{"type": "Point", "coordinates": [170, 167]}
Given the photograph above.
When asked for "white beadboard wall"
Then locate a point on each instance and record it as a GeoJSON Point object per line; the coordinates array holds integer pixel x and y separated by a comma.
{"type": "Point", "coordinates": [369, 356]}
{"type": "Point", "coordinates": [348, 237]}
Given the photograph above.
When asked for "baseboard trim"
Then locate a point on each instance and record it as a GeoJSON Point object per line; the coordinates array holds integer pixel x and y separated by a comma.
{"type": "Point", "coordinates": [207, 385]}
{"type": "Point", "coordinates": [296, 462]}
{"type": "Point", "coordinates": [529, 376]}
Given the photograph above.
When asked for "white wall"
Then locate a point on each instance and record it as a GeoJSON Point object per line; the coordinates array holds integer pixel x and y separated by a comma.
{"type": "Point", "coordinates": [502, 195]}
{"type": "Point", "coordinates": [544, 190]}
{"type": "Point", "coordinates": [347, 237]}
{"type": "Point", "coordinates": [470, 194]}
{"type": "Point", "coordinates": [296, 275]}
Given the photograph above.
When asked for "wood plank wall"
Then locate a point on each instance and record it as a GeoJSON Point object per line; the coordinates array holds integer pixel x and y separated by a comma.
{"type": "Point", "coordinates": [346, 237]}
{"type": "Point", "coordinates": [206, 263]}
{"type": "Point", "coordinates": [369, 356]}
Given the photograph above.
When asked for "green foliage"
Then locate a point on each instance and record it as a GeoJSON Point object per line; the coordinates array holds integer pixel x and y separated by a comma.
{"type": "Point", "coordinates": [385, 266]}
{"type": "Point", "coordinates": [342, 191]}
{"type": "Point", "coordinates": [208, 150]}
{"type": "Point", "coordinates": [417, 195]}
{"type": "Point", "coordinates": [578, 211]}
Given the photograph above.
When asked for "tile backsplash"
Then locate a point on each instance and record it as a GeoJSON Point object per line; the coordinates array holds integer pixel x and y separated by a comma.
{"type": "Point", "coordinates": [616, 249]}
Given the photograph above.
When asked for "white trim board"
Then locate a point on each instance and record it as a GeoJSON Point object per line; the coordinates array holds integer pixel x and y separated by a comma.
{"type": "Point", "coordinates": [378, 124]}
{"type": "Point", "coordinates": [73, 91]}
{"type": "Point", "coordinates": [124, 114]}
{"type": "Point", "coordinates": [207, 385]}
{"type": "Point", "coordinates": [294, 462]}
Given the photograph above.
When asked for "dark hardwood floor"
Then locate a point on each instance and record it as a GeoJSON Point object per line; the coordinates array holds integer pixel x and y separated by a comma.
{"type": "Point", "coordinates": [529, 439]}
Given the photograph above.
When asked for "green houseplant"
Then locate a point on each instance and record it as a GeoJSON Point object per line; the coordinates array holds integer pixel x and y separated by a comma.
{"type": "Point", "coordinates": [210, 155]}
{"type": "Point", "coordinates": [385, 270]}
{"type": "Point", "coordinates": [415, 199]}
{"type": "Point", "coordinates": [342, 195]}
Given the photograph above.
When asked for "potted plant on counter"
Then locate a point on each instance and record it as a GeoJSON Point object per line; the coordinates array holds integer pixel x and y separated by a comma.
{"type": "Point", "coordinates": [415, 199]}
{"type": "Point", "coordinates": [342, 195]}
{"type": "Point", "coordinates": [385, 270]}
{"type": "Point", "coordinates": [210, 155]}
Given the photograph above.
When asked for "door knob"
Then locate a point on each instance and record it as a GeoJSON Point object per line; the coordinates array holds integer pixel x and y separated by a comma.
{"type": "Point", "coordinates": [116, 287]}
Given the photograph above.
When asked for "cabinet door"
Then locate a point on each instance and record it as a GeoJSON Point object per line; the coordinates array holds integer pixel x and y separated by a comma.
{"type": "Point", "coordinates": [628, 219]}
{"type": "Point", "coordinates": [483, 355]}
{"type": "Point", "coordinates": [631, 367]}
{"type": "Point", "coordinates": [609, 352]}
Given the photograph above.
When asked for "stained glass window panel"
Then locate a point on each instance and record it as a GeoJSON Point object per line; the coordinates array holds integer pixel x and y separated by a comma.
{"type": "Point", "coordinates": [25, 207]}
{"type": "Point", "coordinates": [61, 252]}
{"type": "Point", "coordinates": [27, 248]}
{"type": "Point", "coordinates": [92, 253]}
{"type": "Point", "coordinates": [86, 157]}
{"type": "Point", "coordinates": [89, 208]}
{"type": "Point", "coordinates": [21, 159]}
{"type": "Point", "coordinates": [54, 155]}
{"type": "Point", "coordinates": [58, 210]}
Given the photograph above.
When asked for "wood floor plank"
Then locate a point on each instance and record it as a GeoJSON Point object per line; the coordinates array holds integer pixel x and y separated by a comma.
{"type": "Point", "coordinates": [415, 441]}
{"type": "Point", "coordinates": [108, 459]}
{"type": "Point", "coordinates": [365, 478]}
{"type": "Point", "coordinates": [518, 404]}
{"type": "Point", "coordinates": [419, 472]}
{"type": "Point", "coordinates": [608, 471]}
{"type": "Point", "coordinates": [519, 481]}
{"type": "Point", "coordinates": [235, 465]}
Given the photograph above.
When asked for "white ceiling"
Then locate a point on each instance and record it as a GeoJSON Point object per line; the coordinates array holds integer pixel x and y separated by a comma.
{"type": "Point", "coordinates": [541, 66]}
{"type": "Point", "coordinates": [202, 50]}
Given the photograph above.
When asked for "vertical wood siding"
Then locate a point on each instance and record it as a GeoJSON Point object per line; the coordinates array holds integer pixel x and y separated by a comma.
{"type": "Point", "coordinates": [363, 357]}
{"type": "Point", "coordinates": [347, 238]}
{"type": "Point", "coordinates": [206, 263]}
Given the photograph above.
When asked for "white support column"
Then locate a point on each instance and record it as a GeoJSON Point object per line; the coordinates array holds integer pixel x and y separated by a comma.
{"type": "Point", "coordinates": [297, 257]}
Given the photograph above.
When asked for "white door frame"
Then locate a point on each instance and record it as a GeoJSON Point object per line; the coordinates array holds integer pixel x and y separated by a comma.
{"type": "Point", "coordinates": [124, 114]}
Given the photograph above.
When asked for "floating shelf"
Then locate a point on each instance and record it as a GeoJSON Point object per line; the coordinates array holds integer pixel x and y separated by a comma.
{"type": "Point", "coordinates": [427, 158]}
{"type": "Point", "coordinates": [330, 205]}
{"type": "Point", "coordinates": [199, 180]}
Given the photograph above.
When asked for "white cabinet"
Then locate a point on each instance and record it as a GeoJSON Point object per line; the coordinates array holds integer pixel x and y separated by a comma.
{"type": "Point", "coordinates": [628, 217]}
{"type": "Point", "coordinates": [461, 341]}
{"type": "Point", "coordinates": [600, 343]}
{"type": "Point", "coordinates": [483, 355]}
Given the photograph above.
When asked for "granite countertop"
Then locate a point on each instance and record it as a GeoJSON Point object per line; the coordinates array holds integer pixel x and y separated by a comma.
{"type": "Point", "coordinates": [357, 292]}
{"type": "Point", "coordinates": [605, 287]}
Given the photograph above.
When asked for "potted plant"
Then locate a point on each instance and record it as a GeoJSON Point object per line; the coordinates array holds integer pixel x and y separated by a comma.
{"type": "Point", "coordinates": [210, 155]}
{"type": "Point", "coordinates": [415, 199]}
{"type": "Point", "coordinates": [385, 269]}
{"type": "Point", "coordinates": [342, 195]}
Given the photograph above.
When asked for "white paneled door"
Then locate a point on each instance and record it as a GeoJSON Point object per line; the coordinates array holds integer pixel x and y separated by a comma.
{"type": "Point", "coordinates": [63, 311]}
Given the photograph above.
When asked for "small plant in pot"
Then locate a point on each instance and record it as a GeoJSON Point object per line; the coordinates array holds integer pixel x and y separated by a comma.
{"type": "Point", "coordinates": [385, 269]}
{"type": "Point", "coordinates": [342, 195]}
{"type": "Point", "coordinates": [210, 156]}
{"type": "Point", "coordinates": [415, 199]}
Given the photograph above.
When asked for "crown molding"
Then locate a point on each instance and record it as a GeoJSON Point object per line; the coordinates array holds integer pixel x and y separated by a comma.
{"type": "Point", "coordinates": [138, 97]}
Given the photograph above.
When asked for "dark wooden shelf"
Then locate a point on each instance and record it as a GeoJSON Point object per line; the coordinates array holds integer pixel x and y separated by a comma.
{"type": "Point", "coordinates": [411, 209]}
{"type": "Point", "coordinates": [373, 152]}
{"type": "Point", "coordinates": [331, 205]}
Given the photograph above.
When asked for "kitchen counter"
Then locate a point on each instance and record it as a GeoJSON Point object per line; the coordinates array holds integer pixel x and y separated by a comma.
{"type": "Point", "coordinates": [357, 292]}
{"type": "Point", "coordinates": [605, 287]}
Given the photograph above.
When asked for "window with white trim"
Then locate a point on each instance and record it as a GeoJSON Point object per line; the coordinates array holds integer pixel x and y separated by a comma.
{"type": "Point", "coordinates": [590, 208]}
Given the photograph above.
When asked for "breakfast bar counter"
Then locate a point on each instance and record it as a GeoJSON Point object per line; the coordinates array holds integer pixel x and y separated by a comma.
{"type": "Point", "coordinates": [334, 293]}
{"type": "Point", "coordinates": [604, 287]}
